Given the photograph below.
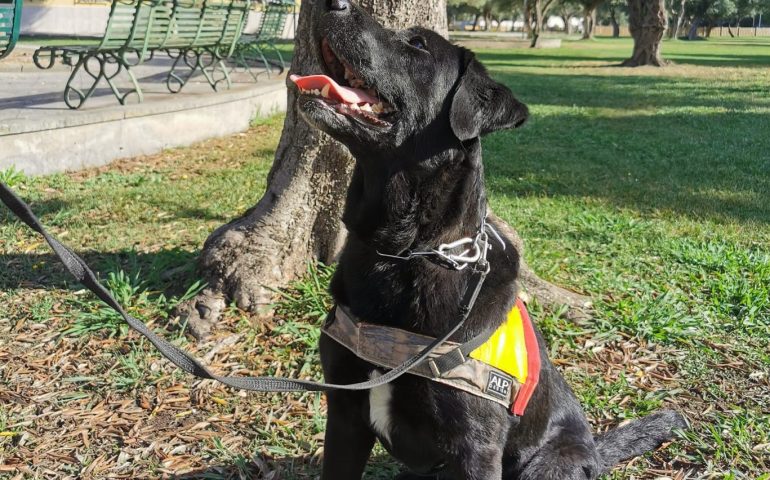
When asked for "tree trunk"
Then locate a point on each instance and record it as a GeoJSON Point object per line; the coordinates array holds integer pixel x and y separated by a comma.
{"type": "Point", "coordinates": [679, 19]}
{"type": "Point", "coordinates": [539, 8]}
{"type": "Point", "coordinates": [589, 21]}
{"type": "Point", "coordinates": [567, 25]}
{"type": "Point", "coordinates": [586, 25]}
{"type": "Point", "coordinates": [476, 21]}
{"type": "Point", "coordinates": [614, 22]}
{"type": "Point", "coordinates": [693, 33]}
{"type": "Point", "coordinates": [298, 218]}
{"type": "Point", "coordinates": [528, 17]}
{"type": "Point", "coordinates": [647, 23]}
{"type": "Point", "coordinates": [537, 23]}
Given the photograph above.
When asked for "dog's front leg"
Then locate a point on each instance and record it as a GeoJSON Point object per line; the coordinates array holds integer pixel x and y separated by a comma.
{"type": "Point", "coordinates": [348, 440]}
{"type": "Point", "coordinates": [482, 463]}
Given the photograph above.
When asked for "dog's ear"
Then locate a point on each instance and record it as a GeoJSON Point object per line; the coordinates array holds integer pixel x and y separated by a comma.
{"type": "Point", "coordinates": [481, 105]}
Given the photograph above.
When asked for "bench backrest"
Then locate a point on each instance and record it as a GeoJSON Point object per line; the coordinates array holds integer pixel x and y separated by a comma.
{"type": "Point", "coordinates": [159, 22]}
{"type": "Point", "coordinates": [122, 24]}
{"type": "Point", "coordinates": [212, 23]}
{"type": "Point", "coordinates": [207, 23]}
{"type": "Point", "coordinates": [10, 24]}
{"type": "Point", "coordinates": [143, 26]}
{"type": "Point", "coordinates": [236, 22]}
{"type": "Point", "coordinates": [186, 23]}
{"type": "Point", "coordinates": [274, 20]}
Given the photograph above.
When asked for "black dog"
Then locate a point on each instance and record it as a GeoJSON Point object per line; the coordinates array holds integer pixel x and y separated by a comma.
{"type": "Point", "coordinates": [418, 182]}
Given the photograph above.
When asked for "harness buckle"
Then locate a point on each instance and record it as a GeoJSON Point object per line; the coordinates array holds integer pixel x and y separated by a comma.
{"type": "Point", "coordinates": [446, 362]}
{"type": "Point", "coordinates": [434, 368]}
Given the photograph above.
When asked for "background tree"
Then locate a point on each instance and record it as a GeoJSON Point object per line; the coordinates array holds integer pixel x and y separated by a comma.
{"type": "Point", "coordinates": [567, 10]}
{"type": "Point", "coordinates": [460, 10]}
{"type": "Point", "coordinates": [487, 9]}
{"type": "Point", "coordinates": [679, 14]}
{"type": "Point", "coordinates": [535, 16]}
{"type": "Point", "coordinates": [647, 24]}
{"type": "Point", "coordinates": [298, 218]}
{"type": "Point", "coordinates": [707, 13]}
{"type": "Point", "coordinates": [613, 12]}
{"type": "Point", "coordinates": [744, 9]}
{"type": "Point", "coordinates": [589, 16]}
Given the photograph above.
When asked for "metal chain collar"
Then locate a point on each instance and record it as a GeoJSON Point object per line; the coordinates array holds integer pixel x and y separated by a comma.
{"type": "Point", "coordinates": [475, 250]}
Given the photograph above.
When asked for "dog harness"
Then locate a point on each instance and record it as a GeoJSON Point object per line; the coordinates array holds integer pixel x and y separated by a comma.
{"type": "Point", "coordinates": [505, 368]}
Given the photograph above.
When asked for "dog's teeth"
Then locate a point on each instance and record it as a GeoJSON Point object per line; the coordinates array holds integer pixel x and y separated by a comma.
{"type": "Point", "coordinates": [325, 91]}
{"type": "Point", "coordinates": [355, 106]}
{"type": "Point", "coordinates": [377, 108]}
{"type": "Point", "coordinates": [366, 107]}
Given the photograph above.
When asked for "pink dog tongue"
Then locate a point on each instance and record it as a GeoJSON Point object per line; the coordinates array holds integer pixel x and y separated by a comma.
{"type": "Point", "coordinates": [337, 92]}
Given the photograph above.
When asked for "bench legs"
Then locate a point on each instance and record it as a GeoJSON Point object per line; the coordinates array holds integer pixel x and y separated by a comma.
{"type": "Point", "coordinates": [256, 51]}
{"type": "Point", "coordinates": [207, 61]}
{"type": "Point", "coordinates": [98, 66]}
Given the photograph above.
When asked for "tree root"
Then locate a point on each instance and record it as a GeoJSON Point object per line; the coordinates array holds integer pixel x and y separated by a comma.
{"type": "Point", "coordinates": [579, 307]}
{"type": "Point", "coordinates": [201, 313]}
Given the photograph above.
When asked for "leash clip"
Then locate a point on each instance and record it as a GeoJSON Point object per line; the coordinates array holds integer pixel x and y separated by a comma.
{"type": "Point", "coordinates": [475, 254]}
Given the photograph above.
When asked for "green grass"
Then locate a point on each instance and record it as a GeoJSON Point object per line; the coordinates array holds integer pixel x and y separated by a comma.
{"type": "Point", "coordinates": [646, 189]}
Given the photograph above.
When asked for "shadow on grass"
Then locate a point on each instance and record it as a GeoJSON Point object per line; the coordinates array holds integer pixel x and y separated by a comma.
{"type": "Point", "coordinates": [556, 59]}
{"type": "Point", "coordinates": [613, 58]}
{"type": "Point", "coordinates": [710, 165]}
{"type": "Point", "coordinates": [721, 59]}
{"type": "Point", "coordinates": [631, 91]}
{"type": "Point", "coordinates": [380, 467]}
{"type": "Point", "coordinates": [166, 271]}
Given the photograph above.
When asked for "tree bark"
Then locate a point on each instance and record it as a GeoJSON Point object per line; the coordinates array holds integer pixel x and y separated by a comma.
{"type": "Point", "coordinates": [647, 23]}
{"type": "Point", "coordinates": [679, 19]}
{"type": "Point", "coordinates": [614, 22]}
{"type": "Point", "coordinates": [298, 218]}
{"type": "Point", "coordinates": [528, 18]}
{"type": "Point", "coordinates": [589, 21]}
{"type": "Point", "coordinates": [579, 306]}
{"type": "Point", "coordinates": [567, 25]}
{"type": "Point", "coordinates": [537, 25]}
{"type": "Point", "coordinates": [693, 33]}
{"type": "Point", "coordinates": [539, 10]}
{"type": "Point", "coordinates": [587, 26]}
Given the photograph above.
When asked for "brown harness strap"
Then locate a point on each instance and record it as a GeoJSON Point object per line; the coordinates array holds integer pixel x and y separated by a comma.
{"type": "Point", "coordinates": [387, 347]}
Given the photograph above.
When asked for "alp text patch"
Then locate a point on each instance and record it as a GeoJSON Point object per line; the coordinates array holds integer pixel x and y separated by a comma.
{"type": "Point", "coordinates": [499, 385]}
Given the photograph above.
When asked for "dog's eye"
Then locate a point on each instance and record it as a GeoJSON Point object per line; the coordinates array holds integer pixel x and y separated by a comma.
{"type": "Point", "coordinates": [417, 42]}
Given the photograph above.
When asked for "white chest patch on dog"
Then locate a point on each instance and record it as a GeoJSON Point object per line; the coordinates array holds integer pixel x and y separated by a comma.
{"type": "Point", "coordinates": [379, 408]}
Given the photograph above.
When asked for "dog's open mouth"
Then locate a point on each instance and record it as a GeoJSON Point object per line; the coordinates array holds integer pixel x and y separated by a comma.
{"type": "Point", "coordinates": [345, 91]}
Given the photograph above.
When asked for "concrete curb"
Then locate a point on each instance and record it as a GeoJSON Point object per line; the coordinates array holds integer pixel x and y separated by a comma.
{"type": "Point", "coordinates": [94, 138]}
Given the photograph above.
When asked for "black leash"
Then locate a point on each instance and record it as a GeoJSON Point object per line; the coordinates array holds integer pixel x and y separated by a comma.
{"type": "Point", "coordinates": [80, 270]}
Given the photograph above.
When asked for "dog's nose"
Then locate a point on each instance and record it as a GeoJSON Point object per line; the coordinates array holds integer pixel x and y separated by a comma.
{"type": "Point", "coordinates": [339, 5]}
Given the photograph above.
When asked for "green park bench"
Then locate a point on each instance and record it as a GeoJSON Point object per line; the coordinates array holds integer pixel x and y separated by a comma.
{"type": "Point", "coordinates": [187, 30]}
{"type": "Point", "coordinates": [253, 47]}
{"type": "Point", "coordinates": [202, 38]}
{"type": "Point", "coordinates": [10, 24]}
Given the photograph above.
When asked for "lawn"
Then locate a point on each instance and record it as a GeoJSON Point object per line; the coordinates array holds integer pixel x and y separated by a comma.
{"type": "Point", "coordinates": [648, 190]}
